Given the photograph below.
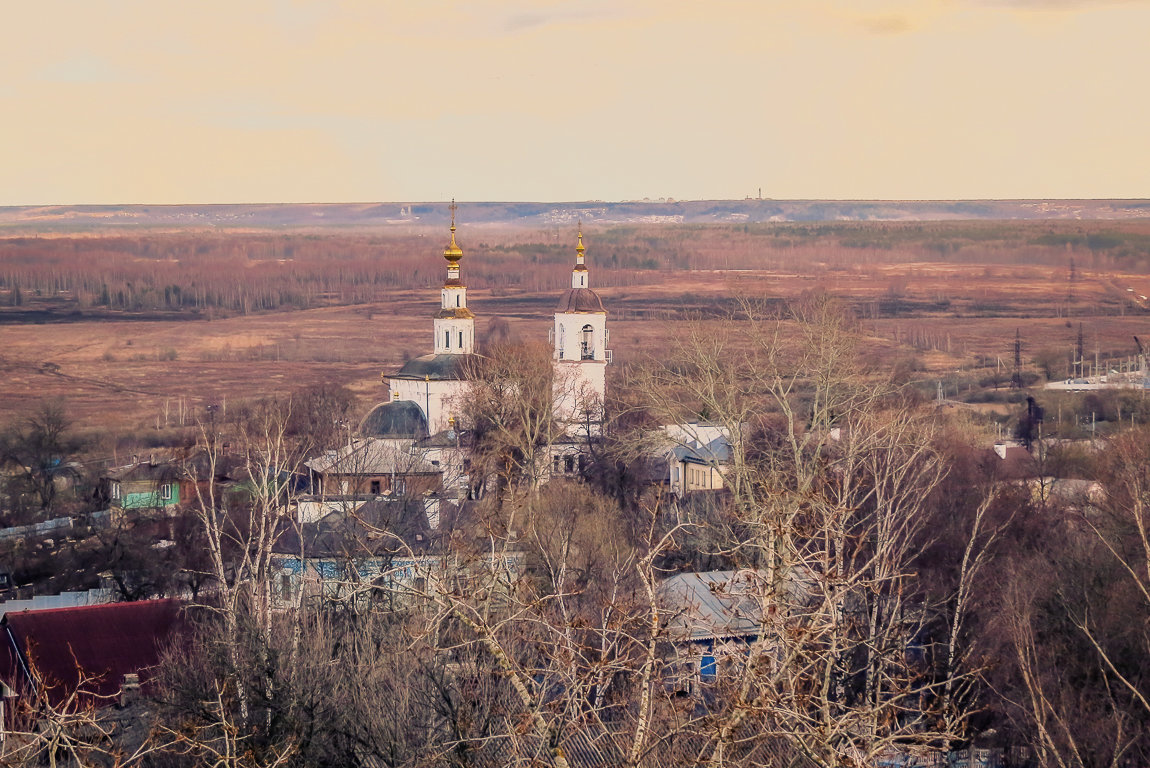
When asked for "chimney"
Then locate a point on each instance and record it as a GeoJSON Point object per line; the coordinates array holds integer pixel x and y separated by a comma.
{"type": "Point", "coordinates": [130, 690]}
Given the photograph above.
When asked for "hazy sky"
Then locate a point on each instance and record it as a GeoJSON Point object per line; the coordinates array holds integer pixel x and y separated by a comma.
{"type": "Point", "coordinates": [113, 101]}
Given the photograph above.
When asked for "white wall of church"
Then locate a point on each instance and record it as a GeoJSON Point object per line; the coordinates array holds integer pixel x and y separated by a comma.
{"type": "Point", "coordinates": [571, 340]}
{"type": "Point", "coordinates": [453, 297]}
{"type": "Point", "coordinates": [454, 336]}
{"type": "Point", "coordinates": [438, 400]}
{"type": "Point", "coordinates": [579, 389]}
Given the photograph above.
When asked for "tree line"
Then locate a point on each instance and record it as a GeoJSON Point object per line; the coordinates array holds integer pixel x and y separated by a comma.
{"type": "Point", "coordinates": [241, 273]}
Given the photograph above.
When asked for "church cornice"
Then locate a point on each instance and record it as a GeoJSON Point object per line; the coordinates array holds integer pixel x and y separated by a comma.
{"type": "Point", "coordinates": [456, 313]}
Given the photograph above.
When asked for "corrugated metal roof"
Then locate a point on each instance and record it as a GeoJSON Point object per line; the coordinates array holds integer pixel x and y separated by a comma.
{"type": "Point", "coordinates": [105, 641]}
{"type": "Point", "coordinates": [713, 604]}
{"type": "Point", "coordinates": [354, 532]}
{"type": "Point", "coordinates": [372, 456]}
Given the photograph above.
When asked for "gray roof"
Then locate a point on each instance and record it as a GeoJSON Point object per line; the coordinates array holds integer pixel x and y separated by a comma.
{"type": "Point", "coordinates": [353, 532]}
{"type": "Point", "coordinates": [447, 438]}
{"type": "Point", "coordinates": [436, 368]}
{"type": "Point", "coordinates": [713, 604]}
{"type": "Point", "coordinates": [162, 472]}
{"type": "Point", "coordinates": [372, 456]}
{"type": "Point", "coordinates": [718, 451]}
{"type": "Point", "coordinates": [397, 419]}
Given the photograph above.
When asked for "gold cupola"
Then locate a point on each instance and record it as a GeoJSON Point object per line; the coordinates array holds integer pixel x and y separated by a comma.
{"type": "Point", "coordinates": [453, 253]}
{"type": "Point", "coordinates": [580, 252]}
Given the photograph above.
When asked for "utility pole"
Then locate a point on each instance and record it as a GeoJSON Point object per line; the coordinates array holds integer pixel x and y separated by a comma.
{"type": "Point", "coordinates": [1016, 376]}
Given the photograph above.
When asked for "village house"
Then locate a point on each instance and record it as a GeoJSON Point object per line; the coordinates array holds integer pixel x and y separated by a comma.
{"type": "Point", "coordinates": [371, 467]}
{"type": "Point", "coordinates": [383, 549]}
{"type": "Point", "coordinates": [697, 456]}
{"type": "Point", "coordinates": [145, 485]}
{"type": "Point", "coordinates": [713, 614]}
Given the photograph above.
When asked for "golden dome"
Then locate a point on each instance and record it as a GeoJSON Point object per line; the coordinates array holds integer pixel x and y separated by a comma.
{"type": "Point", "coordinates": [453, 253]}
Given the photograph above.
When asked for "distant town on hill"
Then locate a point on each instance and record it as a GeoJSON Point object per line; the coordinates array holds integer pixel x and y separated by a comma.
{"type": "Point", "coordinates": [70, 218]}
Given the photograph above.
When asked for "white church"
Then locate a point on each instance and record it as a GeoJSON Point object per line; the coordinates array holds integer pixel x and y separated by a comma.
{"type": "Point", "coordinates": [430, 388]}
{"type": "Point", "coordinates": [411, 443]}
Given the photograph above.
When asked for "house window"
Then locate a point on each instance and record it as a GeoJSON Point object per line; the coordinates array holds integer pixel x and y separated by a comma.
{"type": "Point", "coordinates": [447, 339]}
{"type": "Point", "coordinates": [457, 300]}
{"type": "Point", "coordinates": [166, 491]}
{"type": "Point", "coordinates": [115, 491]}
{"type": "Point", "coordinates": [461, 339]}
{"type": "Point", "coordinates": [568, 463]}
{"type": "Point", "coordinates": [375, 487]}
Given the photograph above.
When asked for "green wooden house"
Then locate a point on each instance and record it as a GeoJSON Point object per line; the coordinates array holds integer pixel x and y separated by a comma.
{"type": "Point", "coordinates": [145, 485]}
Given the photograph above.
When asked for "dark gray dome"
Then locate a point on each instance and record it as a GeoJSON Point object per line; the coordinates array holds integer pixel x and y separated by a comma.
{"type": "Point", "coordinates": [397, 419]}
{"type": "Point", "coordinates": [445, 367]}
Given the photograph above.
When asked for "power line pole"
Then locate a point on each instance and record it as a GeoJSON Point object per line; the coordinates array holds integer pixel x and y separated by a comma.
{"type": "Point", "coordinates": [1016, 376]}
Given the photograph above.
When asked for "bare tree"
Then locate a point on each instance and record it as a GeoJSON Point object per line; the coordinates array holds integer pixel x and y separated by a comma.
{"type": "Point", "coordinates": [240, 531]}
{"type": "Point", "coordinates": [37, 451]}
{"type": "Point", "coordinates": [828, 472]}
{"type": "Point", "coordinates": [509, 410]}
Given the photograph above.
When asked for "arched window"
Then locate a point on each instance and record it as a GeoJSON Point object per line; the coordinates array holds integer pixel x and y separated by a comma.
{"type": "Point", "coordinates": [587, 346]}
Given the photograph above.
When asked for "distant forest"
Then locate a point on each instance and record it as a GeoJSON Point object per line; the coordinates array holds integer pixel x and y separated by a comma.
{"type": "Point", "coordinates": [245, 273]}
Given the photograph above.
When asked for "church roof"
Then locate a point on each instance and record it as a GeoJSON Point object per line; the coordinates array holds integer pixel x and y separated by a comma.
{"type": "Point", "coordinates": [458, 313]}
{"type": "Point", "coordinates": [580, 300]}
{"type": "Point", "coordinates": [435, 368]}
{"type": "Point", "coordinates": [397, 419]}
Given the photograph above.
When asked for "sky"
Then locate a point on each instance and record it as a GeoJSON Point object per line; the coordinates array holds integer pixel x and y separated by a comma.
{"type": "Point", "coordinates": [247, 101]}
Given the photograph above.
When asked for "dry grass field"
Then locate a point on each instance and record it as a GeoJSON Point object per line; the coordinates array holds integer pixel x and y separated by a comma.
{"type": "Point", "coordinates": [937, 315]}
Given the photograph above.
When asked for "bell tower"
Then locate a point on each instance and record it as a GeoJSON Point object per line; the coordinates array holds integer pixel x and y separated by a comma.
{"type": "Point", "coordinates": [454, 323]}
{"type": "Point", "coordinates": [580, 352]}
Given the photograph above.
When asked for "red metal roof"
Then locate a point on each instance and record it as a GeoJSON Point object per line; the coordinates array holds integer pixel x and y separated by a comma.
{"type": "Point", "coordinates": [105, 641]}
